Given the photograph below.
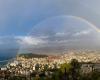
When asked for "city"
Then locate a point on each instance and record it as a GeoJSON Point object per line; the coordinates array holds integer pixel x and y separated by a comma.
{"type": "Point", "coordinates": [44, 68]}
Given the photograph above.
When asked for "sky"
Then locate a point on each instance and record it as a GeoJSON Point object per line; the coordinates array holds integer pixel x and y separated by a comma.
{"type": "Point", "coordinates": [22, 20]}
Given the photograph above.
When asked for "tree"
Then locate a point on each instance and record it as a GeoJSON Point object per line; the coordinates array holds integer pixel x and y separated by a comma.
{"type": "Point", "coordinates": [45, 67]}
{"type": "Point", "coordinates": [65, 66]}
{"type": "Point", "coordinates": [75, 67]}
{"type": "Point", "coordinates": [37, 67]}
{"type": "Point", "coordinates": [37, 77]}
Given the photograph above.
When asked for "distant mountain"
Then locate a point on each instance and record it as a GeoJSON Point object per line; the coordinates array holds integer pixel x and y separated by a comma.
{"type": "Point", "coordinates": [32, 55]}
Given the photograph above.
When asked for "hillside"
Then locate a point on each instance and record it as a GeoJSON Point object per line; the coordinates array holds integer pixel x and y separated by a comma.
{"type": "Point", "coordinates": [31, 55]}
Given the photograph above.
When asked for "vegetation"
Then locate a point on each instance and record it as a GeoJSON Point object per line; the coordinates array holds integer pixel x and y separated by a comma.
{"type": "Point", "coordinates": [31, 55]}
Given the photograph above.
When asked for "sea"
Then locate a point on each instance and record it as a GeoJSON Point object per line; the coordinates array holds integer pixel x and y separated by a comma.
{"type": "Point", "coordinates": [6, 56]}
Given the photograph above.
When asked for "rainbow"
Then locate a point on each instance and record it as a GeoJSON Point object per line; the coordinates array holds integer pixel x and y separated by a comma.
{"type": "Point", "coordinates": [86, 21]}
{"type": "Point", "coordinates": [70, 16]}
{"type": "Point", "coordinates": [66, 16]}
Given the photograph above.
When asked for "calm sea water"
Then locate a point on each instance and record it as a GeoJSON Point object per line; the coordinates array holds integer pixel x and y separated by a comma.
{"type": "Point", "coordinates": [7, 55]}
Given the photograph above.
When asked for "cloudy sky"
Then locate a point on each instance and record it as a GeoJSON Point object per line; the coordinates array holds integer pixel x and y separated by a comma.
{"type": "Point", "coordinates": [49, 24]}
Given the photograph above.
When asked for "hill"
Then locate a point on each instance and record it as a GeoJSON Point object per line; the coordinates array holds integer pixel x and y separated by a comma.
{"type": "Point", "coordinates": [31, 55]}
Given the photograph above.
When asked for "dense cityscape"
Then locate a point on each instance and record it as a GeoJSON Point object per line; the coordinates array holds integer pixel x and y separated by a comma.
{"type": "Point", "coordinates": [72, 65]}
